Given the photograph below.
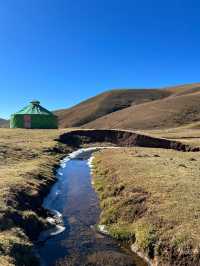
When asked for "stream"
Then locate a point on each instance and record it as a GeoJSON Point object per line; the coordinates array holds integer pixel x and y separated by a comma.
{"type": "Point", "coordinates": [75, 206]}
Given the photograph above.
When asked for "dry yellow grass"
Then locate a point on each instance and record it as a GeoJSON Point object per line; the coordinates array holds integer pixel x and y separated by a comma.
{"type": "Point", "coordinates": [27, 158]}
{"type": "Point", "coordinates": [21, 153]}
{"type": "Point", "coordinates": [189, 134]}
{"type": "Point", "coordinates": [152, 195]}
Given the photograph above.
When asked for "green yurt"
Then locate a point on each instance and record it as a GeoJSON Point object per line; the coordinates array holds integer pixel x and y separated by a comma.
{"type": "Point", "coordinates": [34, 116]}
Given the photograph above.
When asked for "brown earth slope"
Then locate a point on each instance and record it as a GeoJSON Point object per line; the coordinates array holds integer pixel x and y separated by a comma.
{"type": "Point", "coordinates": [172, 111]}
{"type": "Point", "coordinates": [3, 123]}
{"type": "Point", "coordinates": [136, 109]}
{"type": "Point", "coordinates": [106, 103]}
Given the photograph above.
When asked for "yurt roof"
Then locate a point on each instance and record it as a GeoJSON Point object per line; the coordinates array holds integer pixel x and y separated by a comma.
{"type": "Point", "coordinates": [34, 108]}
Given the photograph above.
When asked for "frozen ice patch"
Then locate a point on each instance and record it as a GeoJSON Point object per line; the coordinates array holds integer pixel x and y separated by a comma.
{"type": "Point", "coordinates": [102, 229]}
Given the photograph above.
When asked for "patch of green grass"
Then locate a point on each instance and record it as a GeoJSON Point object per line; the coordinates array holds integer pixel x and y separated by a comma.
{"type": "Point", "coordinates": [145, 236]}
{"type": "Point", "coordinates": [123, 232]}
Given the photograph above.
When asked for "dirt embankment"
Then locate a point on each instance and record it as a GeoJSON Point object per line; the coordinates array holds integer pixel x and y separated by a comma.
{"type": "Point", "coordinates": [121, 138]}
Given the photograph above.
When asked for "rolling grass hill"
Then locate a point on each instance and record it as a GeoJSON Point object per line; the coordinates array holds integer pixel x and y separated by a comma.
{"type": "Point", "coordinates": [165, 113]}
{"type": "Point", "coordinates": [105, 103]}
{"type": "Point", "coordinates": [136, 109]}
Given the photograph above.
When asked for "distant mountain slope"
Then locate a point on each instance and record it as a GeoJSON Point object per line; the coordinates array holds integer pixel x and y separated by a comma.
{"type": "Point", "coordinates": [4, 123]}
{"type": "Point", "coordinates": [165, 113]}
{"type": "Point", "coordinates": [105, 103]}
{"type": "Point", "coordinates": [184, 89]}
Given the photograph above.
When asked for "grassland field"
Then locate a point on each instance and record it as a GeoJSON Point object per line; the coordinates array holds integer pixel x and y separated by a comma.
{"type": "Point", "coordinates": [156, 190]}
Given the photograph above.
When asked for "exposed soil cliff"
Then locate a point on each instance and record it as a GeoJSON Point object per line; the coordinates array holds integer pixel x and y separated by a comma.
{"type": "Point", "coordinates": [121, 138]}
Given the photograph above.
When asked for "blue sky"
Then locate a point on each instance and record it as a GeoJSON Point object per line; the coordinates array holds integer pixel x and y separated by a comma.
{"type": "Point", "coordinates": [64, 51]}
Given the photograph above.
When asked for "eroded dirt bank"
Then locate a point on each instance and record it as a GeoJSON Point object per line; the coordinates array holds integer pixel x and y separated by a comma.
{"type": "Point", "coordinates": [121, 138]}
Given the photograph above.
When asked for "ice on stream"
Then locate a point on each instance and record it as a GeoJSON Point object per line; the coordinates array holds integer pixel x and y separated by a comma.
{"type": "Point", "coordinates": [56, 218]}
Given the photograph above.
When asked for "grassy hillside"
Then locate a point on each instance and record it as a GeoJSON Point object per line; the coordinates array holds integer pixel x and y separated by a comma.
{"type": "Point", "coordinates": [173, 111]}
{"type": "Point", "coordinates": [106, 103]}
{"type": "Point", "coordinates": [136, 109]}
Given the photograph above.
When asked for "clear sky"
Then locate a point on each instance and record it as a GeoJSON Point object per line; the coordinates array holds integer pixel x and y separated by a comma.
{"type": "Point", "coordinates": [63, 51]}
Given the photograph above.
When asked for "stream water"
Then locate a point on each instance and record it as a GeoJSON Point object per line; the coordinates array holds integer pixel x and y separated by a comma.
{"type": "Point", "coordinates": [75, 204]}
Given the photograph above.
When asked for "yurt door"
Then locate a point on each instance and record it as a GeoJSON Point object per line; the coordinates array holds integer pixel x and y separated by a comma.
{"type": "Point", "coordinates": [27, 121]}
